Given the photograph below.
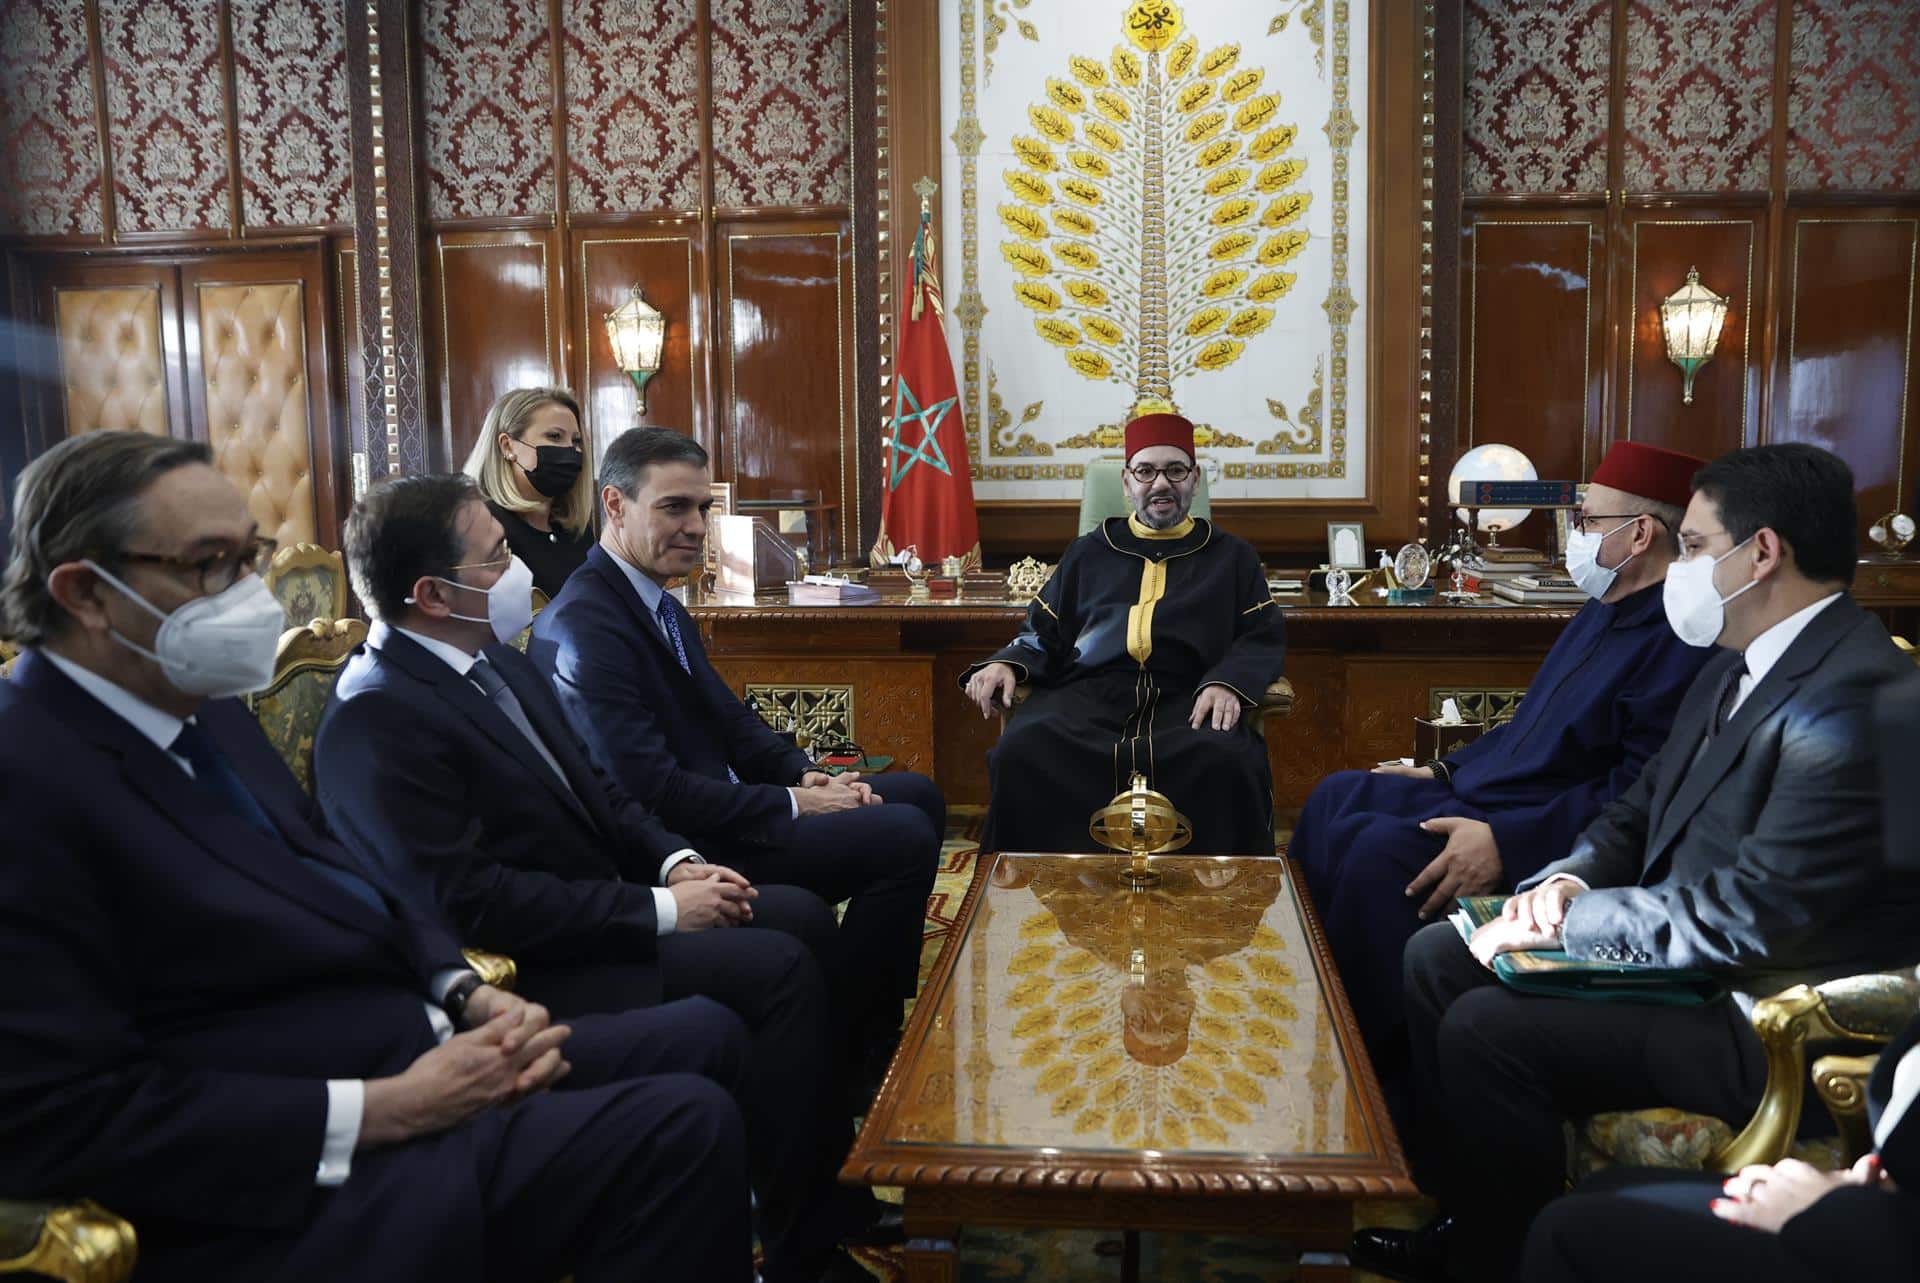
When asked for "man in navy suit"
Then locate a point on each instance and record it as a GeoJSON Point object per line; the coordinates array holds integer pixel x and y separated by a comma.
{"type": "Point", "coordinates": [628, 664]}
{"type": "Point", "coordinates": [444, 758]}
{"type": "Point", "coordinates": [221, 1030]}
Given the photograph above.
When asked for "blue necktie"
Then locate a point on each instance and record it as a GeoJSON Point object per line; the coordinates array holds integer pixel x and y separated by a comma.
{"type": "Point", "coordinates": [671, 623]}
{"type": "Point", "coordinates": [215, 774]}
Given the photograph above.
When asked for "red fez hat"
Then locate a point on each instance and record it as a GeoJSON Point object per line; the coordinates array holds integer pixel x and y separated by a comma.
{"type": "Point", "coordinates": [1664, 476]}
{"type": "Point", "coordinates": [1159, 429]}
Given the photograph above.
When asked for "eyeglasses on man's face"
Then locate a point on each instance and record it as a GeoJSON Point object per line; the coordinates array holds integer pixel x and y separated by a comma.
{"type": "Point", "coordinates": [1145, 473]}
{"type": "Point", "coordinates": [217, 571]}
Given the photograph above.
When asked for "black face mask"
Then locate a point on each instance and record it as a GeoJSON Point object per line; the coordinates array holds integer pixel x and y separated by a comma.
{"type": "Point", "coordinates": [555, 469]}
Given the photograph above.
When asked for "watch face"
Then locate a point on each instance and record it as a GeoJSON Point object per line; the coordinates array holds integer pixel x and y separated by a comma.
{"type": "Point", "coordinates": [1902, 525]}
{"type": "Point", "coordinates": [1412, 565]}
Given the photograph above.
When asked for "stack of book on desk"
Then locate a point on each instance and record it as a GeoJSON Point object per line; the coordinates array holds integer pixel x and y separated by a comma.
{"type": "Point", "coordinates": [829, 590]}
{"type": "Point", "coordinates": [1537, 588]}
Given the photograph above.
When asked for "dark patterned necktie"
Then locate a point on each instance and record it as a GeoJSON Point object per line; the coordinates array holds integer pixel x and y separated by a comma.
{"type": "Point", "coordinates": [669, 620]}
{"type": "Point", "coordinates": [1728, 694]}
{"type": "Point", "coordinates": [215, 775]}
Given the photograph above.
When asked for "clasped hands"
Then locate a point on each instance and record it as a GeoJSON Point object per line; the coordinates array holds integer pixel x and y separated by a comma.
{"type": "Point", "coordinates": [1530, 920]}
{"type": "Point", "coordinates": [1766, 1196]}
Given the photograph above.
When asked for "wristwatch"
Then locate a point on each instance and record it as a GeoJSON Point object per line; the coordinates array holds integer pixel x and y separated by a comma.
{"type": "Point", "coordinates": [458, 994]}
{"type": "Point", "coordinates": [1441, 771]}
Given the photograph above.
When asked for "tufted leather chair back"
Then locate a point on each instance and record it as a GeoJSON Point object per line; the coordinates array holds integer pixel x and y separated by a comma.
{"type": "Point", "coordinates": [112, 365]}
{"type": "Point", "coordinates": [253, 345]}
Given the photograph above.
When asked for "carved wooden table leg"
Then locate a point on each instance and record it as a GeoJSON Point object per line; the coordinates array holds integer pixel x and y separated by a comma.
{"type": "Point", "coordinates": [932, 1248]}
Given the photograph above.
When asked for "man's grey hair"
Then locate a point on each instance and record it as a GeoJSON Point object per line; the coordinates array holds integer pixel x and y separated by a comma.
{"type": "Point", "coordinates": [1668, 515]}
{"type": "Point", "coordinates": [80, 499]}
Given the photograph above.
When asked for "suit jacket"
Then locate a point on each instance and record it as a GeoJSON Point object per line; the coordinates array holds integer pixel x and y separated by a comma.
{"type": "Point", "coordinates": [430, 780]}
{"type": "Point", "coordinates": [1763, 858]}
{"type": "Point", "coordinates": [666, 735]}
{"type": "Point", "coordinates": [181, 986]}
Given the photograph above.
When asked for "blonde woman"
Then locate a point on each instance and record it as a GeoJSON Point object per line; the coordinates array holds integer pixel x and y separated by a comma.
{"type": "Point", "coordinates": [531, 463]}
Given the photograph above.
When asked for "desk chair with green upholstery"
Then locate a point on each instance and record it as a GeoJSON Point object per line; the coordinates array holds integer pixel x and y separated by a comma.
{"type": "Point", "coordinates": [82, 1242]}
{"type": "Point", "coordinates": [1103, 495]}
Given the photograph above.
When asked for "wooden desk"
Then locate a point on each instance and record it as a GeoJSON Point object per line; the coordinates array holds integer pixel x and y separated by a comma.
{"type": "Point", "coordinates": [1089, 1056]}
{"type": "Point", "coordinates": [888, 675]}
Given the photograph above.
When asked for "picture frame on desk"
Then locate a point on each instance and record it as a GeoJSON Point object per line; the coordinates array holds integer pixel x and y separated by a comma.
{"type": "Point", "coordinates": [1347, 545]}
{"type": "Point", "coordinates": [722, 505]}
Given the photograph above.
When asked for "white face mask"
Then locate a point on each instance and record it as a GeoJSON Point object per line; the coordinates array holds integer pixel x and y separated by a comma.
{"type": "Point", "coordinates": [1583, 561]}
{"type": "Point", "coordinates": [214, 646]}
{"type": "Point", "coordinates": [509, 601]}
{"type": "Point", "coordinates": [1695, 608]}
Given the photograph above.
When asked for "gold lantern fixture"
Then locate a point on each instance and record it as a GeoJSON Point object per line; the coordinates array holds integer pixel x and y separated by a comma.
{"type": "Point", "coordinates": [1691, 317]}
{"type": "Point", "coordinates": [638, 333]}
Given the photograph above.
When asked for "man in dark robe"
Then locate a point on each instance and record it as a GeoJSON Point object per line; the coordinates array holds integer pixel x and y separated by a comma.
{"type": "Point", "coordinates": [1385, 850]}
{"type": "Point", "coordinates": [1152, 638]}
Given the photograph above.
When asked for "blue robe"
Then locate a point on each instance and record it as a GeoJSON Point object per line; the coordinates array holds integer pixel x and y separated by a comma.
{"type": "Point", "coordinates": [1600, 707]}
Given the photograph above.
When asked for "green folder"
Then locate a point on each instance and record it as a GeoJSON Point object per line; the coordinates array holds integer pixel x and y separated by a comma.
{"type": "Point", "coordinates": [1551, 973]}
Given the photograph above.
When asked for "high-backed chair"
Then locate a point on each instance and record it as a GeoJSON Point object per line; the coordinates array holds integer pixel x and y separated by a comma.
{"type": "Point", "coordinates": [1102, 494]}
{"type": "Point", "coordinates": [8, 654]}
{"type": "Point", "coordinates": [311, 583]}
{"type": "Point", "coordinates": [305, 667]}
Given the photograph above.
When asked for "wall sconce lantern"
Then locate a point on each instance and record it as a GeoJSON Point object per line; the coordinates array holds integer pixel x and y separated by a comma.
{"type": "Point", "coordinates": [637, 332]}
{"type": "Point", "coordinates": [1692, 316]}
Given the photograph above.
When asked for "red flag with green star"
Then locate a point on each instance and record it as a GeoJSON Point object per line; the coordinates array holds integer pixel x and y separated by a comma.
{"type": "Point", "coordinates": [927, 502]}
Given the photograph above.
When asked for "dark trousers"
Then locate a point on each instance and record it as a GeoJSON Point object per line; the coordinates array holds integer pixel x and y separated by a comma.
{"type": "Point", "coordinates": [1496, 1073]}
{"type": "Point", "coordinates": [1651, 1226]}
{"type": "Point", "coordinates": [635, 1169]}
{"type": "Point", "coordinates": [882, 861]}
{"type": "Point", "coordinates": [790, 1092]}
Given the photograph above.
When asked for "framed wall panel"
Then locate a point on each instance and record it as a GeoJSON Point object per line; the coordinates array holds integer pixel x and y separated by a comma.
{"type": "Point", "coordinates": [664, 258]}
{"type": "Point", "coordinates": [1698, 99]}
{"type": "Point", "coordinates": [786, 365]}
{"type": "Point", "coordinates": [113, 359]}
{"type": "Point", "coordinates": [494, 325]}
{"type": "Point", "coordinates": [1531, 356]}
{"type": "Point", "coordinates": [1845, 374]}
{"type": "Point", "coordinates": [1728, 246]}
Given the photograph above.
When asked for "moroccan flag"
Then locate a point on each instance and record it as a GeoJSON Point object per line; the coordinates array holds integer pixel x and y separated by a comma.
{"type": "Point", "coordinates": [928, 500]}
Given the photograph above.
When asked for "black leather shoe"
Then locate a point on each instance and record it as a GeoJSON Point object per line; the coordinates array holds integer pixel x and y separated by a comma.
{"type": "Point", "coordinates": [887, 1229]}
{"type": "Point", "coordinates": [1419, 1256]}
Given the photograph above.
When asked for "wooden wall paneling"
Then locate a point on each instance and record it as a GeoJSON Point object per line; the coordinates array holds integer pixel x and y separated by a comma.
{"type": "Point", "coordinates": [1848, 346]}
{"type": "Point", "coordinates": [1728, 244]}
{"type": "Point", "coordinates": [495, 324]}
{"type": "Point", "coordinates": [349, 415]}
{"type": "Point", "coordinates": [665, 256]}
{"type": "Point", "coordinates": [785, 363]}
{"type": "Point", "coordinates": [258, 386]}
{"type": "Point", "coordinates": [1531, 360]}
{"type": "Point", "coordinates": [75, 276]}
{"type": "Point", "coordinates": [893, 696]}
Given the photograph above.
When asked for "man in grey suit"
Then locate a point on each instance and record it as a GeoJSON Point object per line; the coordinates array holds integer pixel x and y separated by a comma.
{"type": "Point", "coordinates": [1749, 847]}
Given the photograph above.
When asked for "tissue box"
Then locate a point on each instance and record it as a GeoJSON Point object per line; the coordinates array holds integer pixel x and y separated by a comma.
{"type": "Point", "coordinates": [1433, 739]}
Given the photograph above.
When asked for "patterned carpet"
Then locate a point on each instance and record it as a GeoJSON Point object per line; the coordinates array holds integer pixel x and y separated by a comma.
{"type": "Point", "coordinates": [1087, 1256]}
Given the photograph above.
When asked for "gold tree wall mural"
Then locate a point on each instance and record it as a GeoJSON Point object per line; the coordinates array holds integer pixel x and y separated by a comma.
{"type": "Point", "coordinates": [1154, 210]}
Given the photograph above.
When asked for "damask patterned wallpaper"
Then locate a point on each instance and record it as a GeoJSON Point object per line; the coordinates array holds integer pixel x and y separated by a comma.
{"type": "Point", "coordinates": [52, 146]}
{"type": "Point", "coordinates": [1535, 111]}
{"type": "Point", "coordinates": [1699, 102]}
{"type": "Point", "coordinates": [1853, 109]}
{"type": "Point", "coordinates": [633, 105]}
{"type": "Point", "coordinates": [290, 91]}
{"type": "Point", "coordinates": [780, 111]}
{"type": "Point", "coordinates": [487, 97]}
{"type": "Point", "coordinates": [167, 114]}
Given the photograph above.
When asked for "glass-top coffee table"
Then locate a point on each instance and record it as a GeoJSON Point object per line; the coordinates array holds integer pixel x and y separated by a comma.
{"type": "Point", "coordinates": [1091, 1056]}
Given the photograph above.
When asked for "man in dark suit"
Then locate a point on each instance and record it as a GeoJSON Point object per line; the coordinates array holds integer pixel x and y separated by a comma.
{"type": "Point", "coordinates": [628, 665]}
{"type": "Point", "coordinates": [1749, 846]}
{"type": "Point", "coordinates": [217, 1027]}
{"type": "Point", "coordinates": [1784, 1222]}
{"type": "Point", "coordinates": [445, 759]}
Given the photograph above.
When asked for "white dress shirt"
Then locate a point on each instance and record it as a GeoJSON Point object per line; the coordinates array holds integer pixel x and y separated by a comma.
{"type": "Point", "coordinates": [651, 594]}
{"type": "Point", "coordinates": [666, 910]}
{"type": "Point", "coordinates": [346, 1097]}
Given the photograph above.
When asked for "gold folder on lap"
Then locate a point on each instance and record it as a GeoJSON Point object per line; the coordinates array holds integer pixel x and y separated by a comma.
{"type": "Point", "coordinates": [1551, 973]}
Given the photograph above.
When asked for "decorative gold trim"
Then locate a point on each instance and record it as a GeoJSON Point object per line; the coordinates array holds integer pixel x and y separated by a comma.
{"type": "Point", "coordinates": [819, 712]}
{"type": "Point", "coordinates": [383, 255]}
{"type": "Point", "coordinates": [1746, 314]}
{"type": "Point", "coordinates": [1906, 348]}
{"type": "Point", "coordinates": [1473, 323]}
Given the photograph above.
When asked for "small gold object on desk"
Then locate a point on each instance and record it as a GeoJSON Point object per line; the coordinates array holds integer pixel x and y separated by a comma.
{"type": "Point", "coordinates": [1025, 578]}
{"type": "Point", "coordinates": [1141, 823]}
{"type": "Point", "coordinates": [916, 572]}
{"type": "Point", "coordinates": [1892, 533]}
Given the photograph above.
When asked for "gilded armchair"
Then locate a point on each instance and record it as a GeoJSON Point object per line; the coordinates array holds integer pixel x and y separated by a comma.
{"type": "Point", "coordinates": [8, 653]}
{"type": "Point", "coordinates": [305, 667]}
{"type": "Point", "coordinates": [310, 582]}
{"type": "Point", "coordinates": [1855, 1009]}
